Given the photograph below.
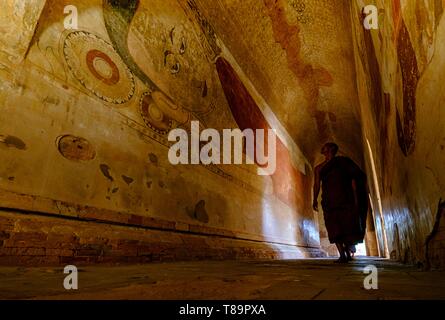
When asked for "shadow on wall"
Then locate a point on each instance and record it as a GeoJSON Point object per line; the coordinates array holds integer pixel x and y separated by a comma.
{"type": "Point", "coordinates": [290, 186]}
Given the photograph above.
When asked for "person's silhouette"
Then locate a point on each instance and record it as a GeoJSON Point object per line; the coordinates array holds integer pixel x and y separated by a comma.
{"type": "Point", "coordinates": [344, 200]}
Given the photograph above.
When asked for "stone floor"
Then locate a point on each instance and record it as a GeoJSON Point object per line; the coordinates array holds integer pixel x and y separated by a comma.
{"type": "Point", "coordinates": [223, 280]}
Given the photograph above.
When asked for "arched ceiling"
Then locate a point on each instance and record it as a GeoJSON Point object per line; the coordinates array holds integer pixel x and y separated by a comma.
{"type": "Point", "coordinates": [299, 56]}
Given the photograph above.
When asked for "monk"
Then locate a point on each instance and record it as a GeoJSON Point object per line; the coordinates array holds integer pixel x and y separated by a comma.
{"type": "Point", "coordinates": [344, 200]}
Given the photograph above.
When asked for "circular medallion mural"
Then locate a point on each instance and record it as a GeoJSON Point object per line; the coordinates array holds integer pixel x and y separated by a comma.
{"type": "Point", "coordinates": [153, 114]}
{"type": "Point", "coordinates": [75, 148]}
{"type": "Point", "coordinates": [98, 67]}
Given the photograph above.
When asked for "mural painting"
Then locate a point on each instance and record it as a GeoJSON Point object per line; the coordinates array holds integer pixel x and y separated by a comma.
{"type": "Point", "coordinates": [146, 68]}
{"type": "Point", "coordinates": [288, 183]}
{"type": "Point", "coordinates": [406, 119]}
{"type": "Point", "coordinates": [88, 58]}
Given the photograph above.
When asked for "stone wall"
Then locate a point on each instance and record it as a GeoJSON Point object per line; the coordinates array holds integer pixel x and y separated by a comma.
{"type": "Point", "coordinates": [400, 82]}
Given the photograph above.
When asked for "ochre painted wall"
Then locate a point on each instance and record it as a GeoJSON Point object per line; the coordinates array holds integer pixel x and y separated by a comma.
{"type": "Point", "coordinates": [84, 118]}
{"type": "Point", "coordinates": [400, 82]}
{"type": "Point", "coordinates": [83, 136]}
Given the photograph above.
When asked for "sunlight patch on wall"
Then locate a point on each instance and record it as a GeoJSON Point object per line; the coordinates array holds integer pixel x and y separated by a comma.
{"type": "Point", "coordinates": [378, 197]}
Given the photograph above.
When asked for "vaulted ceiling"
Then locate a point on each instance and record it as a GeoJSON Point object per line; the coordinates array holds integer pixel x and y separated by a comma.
{"type": "Point", "coordinates": [299, 56]}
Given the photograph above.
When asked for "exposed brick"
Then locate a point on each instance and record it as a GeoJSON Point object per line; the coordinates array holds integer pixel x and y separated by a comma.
{"type": "Point", "coordinates": [29, 236]}
{"type": "Point", "coordinates": [182, 226]}
{"type": "Point", "coordinates": [168, 237]}
{"type": "Point", "coordinates": [6, 224]}
{"type": "Point", "coordinates": [86, 252]}
{"type": "Point", "coordinates": [28, 225]}
{"type": "Point", "coordinates": [44, 244]}
{"type": "Point", "coordinates": [195, 241]}
{"type": "Point", "coordinates": [92, 246]}
{"type": "Point", "coordinates": [167, 258]}
{"type": "Point", "coordinates": [135, 219]}
{"type": "Point", "coordinates": [93, 243]}
{"type": "Point", "coordinates": [26, 260]}
{"type": "Point", "coordinates": [158, 223]}
{"type": "Point", "coordinates": [22, 251]}
{"type": "Point", "coordinates": [4, 235]}
{"type": "Point", "coordinates": [59, 252]}
{"type": "Point", "coordinates": [144, 248]}
{"type": "Point", "coordinates": [78, 260]}
{"type": "Point", "coordinates": [59, 245]}
{"type": "Point", "coordinates": [120, 253]}
{"type": "Point", "coordinates": [60, 238]}
{"type": "Point", "coordinates": [133, 259]}
{"type": "Point", "coordinates": [128, 245]}
{"type": "Point", "coordinates": [61, 242]}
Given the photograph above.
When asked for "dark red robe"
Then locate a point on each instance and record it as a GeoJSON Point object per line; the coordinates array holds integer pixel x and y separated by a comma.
{"type": "Point", "coordinates": [344, 218]}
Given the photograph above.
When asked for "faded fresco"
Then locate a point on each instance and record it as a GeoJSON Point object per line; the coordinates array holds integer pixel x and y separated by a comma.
{"type": "Point", "coordinates": [85, 119]}
{"type": "Point", "coordinates": [400, 88]}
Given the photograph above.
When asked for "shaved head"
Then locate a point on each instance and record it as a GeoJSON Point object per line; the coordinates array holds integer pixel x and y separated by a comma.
{"type": "Point", "coordinates": [331, 147]}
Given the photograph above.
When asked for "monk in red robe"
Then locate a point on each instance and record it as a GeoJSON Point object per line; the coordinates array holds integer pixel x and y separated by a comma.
{"type": "Point", "coordinates": [344, 200]}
